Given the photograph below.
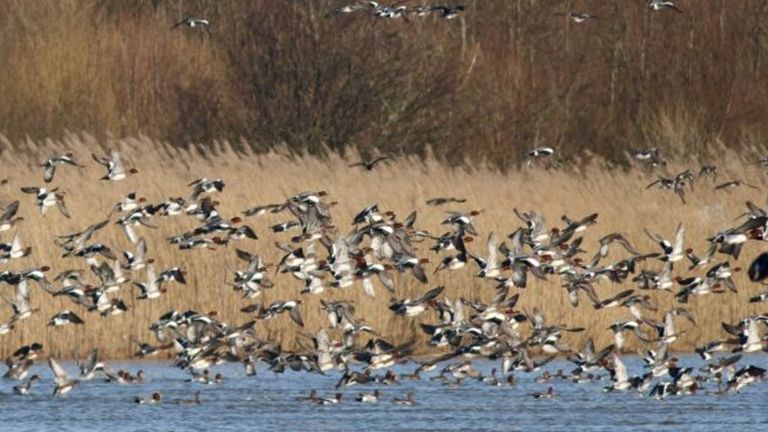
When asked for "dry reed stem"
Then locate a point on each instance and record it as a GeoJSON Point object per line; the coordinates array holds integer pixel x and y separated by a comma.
{"type": "Point", "coordinates": [618, 196]}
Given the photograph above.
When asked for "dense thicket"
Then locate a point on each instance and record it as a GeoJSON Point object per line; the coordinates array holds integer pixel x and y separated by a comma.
{"type": "Point", "coordinates": [506, 76]}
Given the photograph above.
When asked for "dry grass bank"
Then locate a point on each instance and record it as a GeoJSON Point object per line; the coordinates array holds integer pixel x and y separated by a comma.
{"type": "Point", "coordinates": [618, 196]}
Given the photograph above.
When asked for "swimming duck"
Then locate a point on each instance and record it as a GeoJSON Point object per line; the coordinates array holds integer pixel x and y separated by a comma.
{"type": "Point", "coordinates": [491, 379]}
{"type": "Point", "coordinates": [408, 401]}
{"type": "Point", "coordinates": [154, 399]}
{"type": "Point", "coordinates": [329, 401]}
{"type": "Point", "coordinates": [202, 378]}
{"type": "Point", "coordinates": [389, 378]}
{"type": "Point", "coordinates": [549, 394]}
{"type": "Point", "coordinates": [544, 378]}
{"type": "Point", "coordinates": [368, 397]}
{"type": "Point", "coordinates": [312, 397]}
{"type": "Point", "coordinates": [195, 401]}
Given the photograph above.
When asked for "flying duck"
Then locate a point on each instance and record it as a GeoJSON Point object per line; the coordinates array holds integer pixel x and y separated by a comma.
{"type": "Point", "coordinates": [48, 198]}
{"type": "Point", "coordinates": [63, 384]}
{"type": "Point", "coordinates": [53, 162]}
{"type": "Point", "coordinates": [659, 5]}
{"type": "Point", "coordinates": [115, 168]}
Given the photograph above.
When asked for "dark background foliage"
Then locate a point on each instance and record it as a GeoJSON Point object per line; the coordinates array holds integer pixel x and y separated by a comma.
{"type": "Point", "coordinates": [507, 76]}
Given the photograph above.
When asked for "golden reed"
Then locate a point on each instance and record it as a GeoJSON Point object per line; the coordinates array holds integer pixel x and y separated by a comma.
{"type": "Point", "coordinates": [619, 196]}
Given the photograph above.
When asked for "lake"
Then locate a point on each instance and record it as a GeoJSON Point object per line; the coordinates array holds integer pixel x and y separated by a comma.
{"type": "Point", "coordinates": [267, 402]}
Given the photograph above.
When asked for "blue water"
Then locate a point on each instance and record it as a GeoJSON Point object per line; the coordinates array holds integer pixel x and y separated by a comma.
{"type": "Point", "coordinates": [267, 402]}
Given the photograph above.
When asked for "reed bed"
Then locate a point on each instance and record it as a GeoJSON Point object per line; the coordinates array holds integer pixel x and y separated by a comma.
{"type": "Point", "coordinates": [619, 196]}
{"type": "Point", "coordinates": [501, 77]}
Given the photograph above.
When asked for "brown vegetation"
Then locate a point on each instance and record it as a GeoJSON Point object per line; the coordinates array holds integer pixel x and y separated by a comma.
{"type": "Point", "coordinates": [403, 185]}
{"type": "Point", "coordinates": [504, 77]}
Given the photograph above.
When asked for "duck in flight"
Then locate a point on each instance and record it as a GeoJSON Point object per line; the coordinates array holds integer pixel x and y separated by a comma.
{"type": "Point", "coordinates": [193, 22]}
{"type": "Point", "coordinates": [660, 5]}
{"type": "Point", "coordinates": [55, 161]}
{"type": "Point", "coordinates": [369, 165]}
{"type": "Point", "coordinates": [577, 17]}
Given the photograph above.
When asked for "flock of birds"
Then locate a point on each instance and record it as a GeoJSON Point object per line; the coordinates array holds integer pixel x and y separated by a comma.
{"type": "Point", "coordinates": [379, 245]}
{"type": "Point", "coordinates": [376, 10]}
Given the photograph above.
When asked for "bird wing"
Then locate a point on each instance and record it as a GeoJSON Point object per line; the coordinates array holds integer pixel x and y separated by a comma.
{"type": "Point", "coordinates": [386, 281]}
{"type": "Point", "coordinates": [59, 374]}
{"type": "Point", "coordinates": [295, 315]}
{"type": "Point", "coordinates": [493, 247]}
{"type": "Point", "coordinates": [50, 171]}
{"type": "Point", "coordinates": [368, 287]}
{"type": "Point", "coordinates": [679, 238]}
{"type": "Point", "coordinates": [62, 206]}
{"type": "Point", "coordinates": [141, 250]}
{"type": "Point", "coordinates": [620, 370]}
{"type": "Point", "coordinates": [116, 163]}
{"type": "Point", "coordinates": [10, 211]}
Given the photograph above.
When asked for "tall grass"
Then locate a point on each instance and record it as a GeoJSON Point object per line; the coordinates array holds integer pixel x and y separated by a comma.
{"type": "Point", "coordinates": [617, 195]}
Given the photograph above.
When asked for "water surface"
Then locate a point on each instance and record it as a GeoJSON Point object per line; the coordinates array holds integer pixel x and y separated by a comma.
{"type": "Point", "coordinates": [267, 402]}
